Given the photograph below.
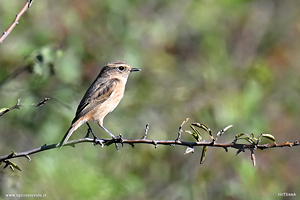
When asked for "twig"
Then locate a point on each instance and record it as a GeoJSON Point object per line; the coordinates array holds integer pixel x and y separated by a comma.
{"type": "Point", "coordinates": [41, 103]}
{"type": "Point", "coordinates": [5, 110]}
{"type": "Point", "coordinates": [16, 21]}
{"type": "Point", "coordinates": [180, 129]}
{"type": "Point", "coordinates": [18, 106]}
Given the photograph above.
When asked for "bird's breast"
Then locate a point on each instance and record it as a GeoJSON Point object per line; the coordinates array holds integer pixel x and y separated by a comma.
{"type": "Point", "coordinates": [109, 105]}
{"type": "Point", "coordinates": [114, 99]}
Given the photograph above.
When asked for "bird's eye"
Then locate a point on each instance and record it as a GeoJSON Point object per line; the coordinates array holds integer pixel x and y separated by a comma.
{"type": "Point", "coordinates": [121, 68]}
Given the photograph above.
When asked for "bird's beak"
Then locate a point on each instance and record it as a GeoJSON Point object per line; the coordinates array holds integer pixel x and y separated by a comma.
{"type": "Point", "coordinates": [135, 70]}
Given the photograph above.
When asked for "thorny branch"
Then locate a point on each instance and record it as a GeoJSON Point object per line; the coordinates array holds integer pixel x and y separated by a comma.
{"type": "Point", "coordinates": [252, 145]}
{"type": "Point", "coordinates": [16, 21]}
{"type": "Point", "coordinates": [241, 147]}
{"type": "Point", "coordinates": [146, 141]}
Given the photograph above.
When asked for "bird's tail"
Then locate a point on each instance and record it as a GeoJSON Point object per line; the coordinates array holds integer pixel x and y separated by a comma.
{"type": "Point", "coordinates": [73, 127]}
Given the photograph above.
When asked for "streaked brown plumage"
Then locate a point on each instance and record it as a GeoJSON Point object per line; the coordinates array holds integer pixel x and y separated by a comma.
{"type": "Point", "coordinates": [102, 97]}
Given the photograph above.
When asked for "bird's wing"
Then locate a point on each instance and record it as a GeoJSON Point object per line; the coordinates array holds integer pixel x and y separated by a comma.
{"type": "Point", "coordinates": [98, 92]}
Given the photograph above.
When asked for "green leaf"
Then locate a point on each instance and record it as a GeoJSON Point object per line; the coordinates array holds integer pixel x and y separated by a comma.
{"type": "Point", "coordinates": [203, 155]}
{"type": "Point", "coordinates": [248, 137]}
{"type": "Point", "coordinates": [15, 166]}
{"type": "Point", "coordinates": [268, 136]}
{"type": "Point", "coordinates": [240, 135]}
{"type": "Point", "coordinates": [250, 140]}
{"type": "Point", "coordinates": [3, 109]}
{"type": "Point", "coordinates": [197, 135]}
{"type": "Point", "coordinates": [204, 127]}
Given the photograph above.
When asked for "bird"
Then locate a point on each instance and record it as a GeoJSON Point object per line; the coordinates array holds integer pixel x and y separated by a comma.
{"type": "Point", "coordinates": [101, 98]}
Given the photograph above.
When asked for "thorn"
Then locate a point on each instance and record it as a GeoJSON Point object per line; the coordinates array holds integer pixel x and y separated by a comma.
{"type": "Point", "coordinates": [28, 157]}
{"type": "Point", "coordinates": [155, 143]}
{"type": "Point", "coordinates": [240, 150]}
{"type": "Point", "coordinates": [146, 132]}
{"type": "Point", "coordinates": [121, 140]}
{"type": "Point", "coordinates": [5, 166]}
{"type": "Point", "coordinates": [226, 149]}
{"type": "Point", "coordinates": [131, 144]}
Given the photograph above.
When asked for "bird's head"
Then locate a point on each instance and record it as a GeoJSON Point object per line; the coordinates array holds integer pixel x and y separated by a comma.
{"type": "Point", "coordinates": [117, 70]}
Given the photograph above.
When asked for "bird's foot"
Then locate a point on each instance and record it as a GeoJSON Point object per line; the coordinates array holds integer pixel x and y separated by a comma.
{"type": "Point", "coordinates": [98, 141]}
{"type": "Point", "coordinates": [118, 139]}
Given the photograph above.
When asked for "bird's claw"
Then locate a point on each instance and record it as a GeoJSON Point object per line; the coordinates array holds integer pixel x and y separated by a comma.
{"type": "Point", "coordinates": [98, 141]}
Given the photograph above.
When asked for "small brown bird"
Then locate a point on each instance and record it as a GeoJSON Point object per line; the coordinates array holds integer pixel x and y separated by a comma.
{"type": "Point", "coordinates": [102, 97]}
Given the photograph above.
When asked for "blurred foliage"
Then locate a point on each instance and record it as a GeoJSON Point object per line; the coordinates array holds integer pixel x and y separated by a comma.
{"type": "Point", "coordinates": [216, 62]}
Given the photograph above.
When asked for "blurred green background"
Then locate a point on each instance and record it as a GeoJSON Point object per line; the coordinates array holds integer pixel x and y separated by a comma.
{"type": "Point", "coordinates": [216, 62]}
